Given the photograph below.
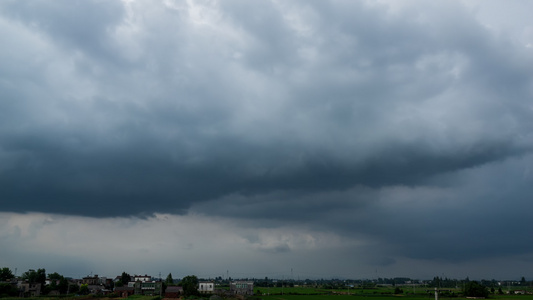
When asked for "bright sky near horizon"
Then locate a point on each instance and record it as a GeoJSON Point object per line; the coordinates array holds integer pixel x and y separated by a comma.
{"type": "Point", "coordinates": [354, 139]}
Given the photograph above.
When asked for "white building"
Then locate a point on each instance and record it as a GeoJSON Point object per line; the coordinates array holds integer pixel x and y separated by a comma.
{"type": "Point", "coordinates": [142, 278]}
{"type": "Point", "coordinates": [206, 287]}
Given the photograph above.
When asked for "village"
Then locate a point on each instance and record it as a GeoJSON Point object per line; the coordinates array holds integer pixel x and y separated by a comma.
{"type": "Point", "coordinates": [36, 283]}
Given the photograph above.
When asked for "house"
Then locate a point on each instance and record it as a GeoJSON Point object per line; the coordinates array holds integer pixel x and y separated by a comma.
{"type": "Point", "coordinates": [29, 289]}
{"type": "Point", "coordinates": [91, 280]}
{"type": "Point", "coordinates": [107, 282]}
{"type": "Point", "coordinates": [77, 282]}
{"type": "Point", "coordinates": [150, 288]}
{"type": "Point", "coordinates": [142, 278]}
{"type": "Point", "coordinates": [96, 289]}
{"type": "Point", "coordinates": [242, 288]}
{"type": "Point", "coordinates": [206, 287]}
{"type": "Point", "coordinates": [124, 291]}
{"type": "Point", "coordinates": [173, 292]}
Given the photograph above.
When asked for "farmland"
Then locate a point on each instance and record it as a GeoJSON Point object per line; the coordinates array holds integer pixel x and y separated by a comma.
{"type": "Point", "coordinates": [378, 293]}
{"type": "Point", "coordinates": [418, 292]}
{"type": "Point", "coordinates": [380, 297]}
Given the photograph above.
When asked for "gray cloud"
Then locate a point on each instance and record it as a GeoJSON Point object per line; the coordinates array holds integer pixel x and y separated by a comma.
{"type": "Point", "coordinates": [384, 122]}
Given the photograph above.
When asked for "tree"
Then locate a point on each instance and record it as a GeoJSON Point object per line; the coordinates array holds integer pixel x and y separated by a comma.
{"type": "Point", "coordinates": [189, 285]}
{"type": "Point", "coordinates": [435, 282]}
{"type": "Point", "coordinates": [51, 287]}
{"type": "Point", "coordinates": [5, 274]}
{"type": "Point", "coordinates": [73, 288]}
{"type": "Point", "coordinates": [54, 276]}
{"type": "Point", "coordinates": [58, 282]}
{"type": "Point", "coordinates": [523, 281]}
{"type": "Point", "coordinates": [169, 279]}
{"type": "Point", "coordinates": [8, 290]}
{"type": "Point", "coordinates": [41, 276]}
{"type": "Point", "coordinates": [125, 278]}
{"type": "Point", "coordinates": [33, 276]}
{"type": "Point", "coordinates": [474, 289]}
{"type": "Point", "coordinates": [63, 285]}
{"type": "Point", "coordinates": [84, 289]}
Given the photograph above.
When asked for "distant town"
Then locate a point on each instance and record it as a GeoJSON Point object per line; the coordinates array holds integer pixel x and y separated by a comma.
{"type": "Point", "coordinates": [36, 283]}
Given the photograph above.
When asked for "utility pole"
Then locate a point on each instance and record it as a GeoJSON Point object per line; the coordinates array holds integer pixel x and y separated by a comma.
{"type": "Point", "coordinates": [282, 279]}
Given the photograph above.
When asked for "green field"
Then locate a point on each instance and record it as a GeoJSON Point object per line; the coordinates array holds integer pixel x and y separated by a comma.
{"type": "Point", "coordinates": [382, 297]}
{"type": "Point", "coordinates": [384, 291]}
{"type": "Point", "coordinates": [378, 293]}
{"type": "Point", "coordinates": [314, 297]}
{"type": "Point", "coordinates": [313, 293]}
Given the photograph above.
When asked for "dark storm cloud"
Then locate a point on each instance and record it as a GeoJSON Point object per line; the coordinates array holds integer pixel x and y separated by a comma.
{"type": "Point", "coordinates": [97, 181]}
{"type": "Point", "coordinates": [379, 122]}
{"type": "Point", "coordinates": [350, 114]}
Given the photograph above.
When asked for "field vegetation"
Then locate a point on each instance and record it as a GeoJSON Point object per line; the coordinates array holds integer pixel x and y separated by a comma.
{"type": "Point", "coordinates": [310, 294]}
{"type": "Point", "coordinates": [328, 292]}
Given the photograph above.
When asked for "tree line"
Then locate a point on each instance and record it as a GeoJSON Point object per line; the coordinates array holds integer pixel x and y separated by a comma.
{"type": "Point", "coordinates": [57, 282]}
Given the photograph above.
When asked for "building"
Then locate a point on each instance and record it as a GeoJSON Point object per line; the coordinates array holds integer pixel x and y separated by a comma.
{"type": "Point", "coordinates": [124, 291]}
{"type": "Point", "coordinates": [29, 289]}
{"type": "Point", "coordinates": [107, 282]}
{"type": "Point", "coordinates": [150, 288]}
{"type": "Point", "coordinates": [143, 278]}
{"type": "Point", "coordinates": [206, 287]}
{"type": "Point", "coordinates": [91, 280]}
{"type": "Point", "coordinates": [173, 292]}
{"type": "Point", "coordinates": [242, 288]}
{"type": "Point", "coordinates": [97, 289]}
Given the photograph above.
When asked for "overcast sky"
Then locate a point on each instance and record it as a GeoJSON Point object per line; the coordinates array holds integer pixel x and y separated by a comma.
{"type": "Point", "coordinates": [303, 139]}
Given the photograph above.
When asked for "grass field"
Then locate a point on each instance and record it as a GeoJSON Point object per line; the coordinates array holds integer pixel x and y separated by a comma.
{"type": "Point", "coordinates": [421, 291]}
{"type": "Point", "coordinates": [382, 297]}
{"type": "Point", "coordinates": [379, 293]}
{"type": "Point", "coordinates": [311, 297]}
{"type": "Point", "coordinates": [312, 293]}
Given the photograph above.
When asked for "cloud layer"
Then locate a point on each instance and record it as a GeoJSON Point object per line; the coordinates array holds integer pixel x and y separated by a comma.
{"type": "Point", "coordinates": [404, 127]}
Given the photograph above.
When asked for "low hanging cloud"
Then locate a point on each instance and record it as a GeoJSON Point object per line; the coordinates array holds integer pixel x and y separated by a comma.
{"type": "Point", "coordinates": [403, 125]}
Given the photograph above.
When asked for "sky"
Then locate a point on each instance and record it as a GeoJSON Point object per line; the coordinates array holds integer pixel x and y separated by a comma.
{"type": "Point", "coordinates": [281, 139]}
